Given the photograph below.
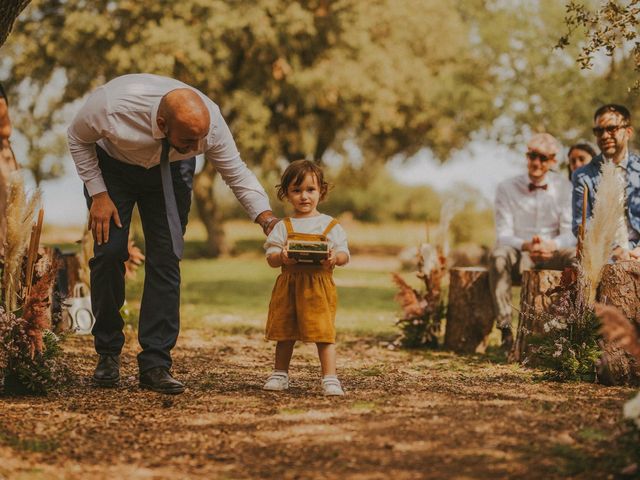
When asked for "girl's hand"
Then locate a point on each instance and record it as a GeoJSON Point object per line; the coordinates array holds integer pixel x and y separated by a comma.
{"type": "Point", "coordinates": [330, 261]}
{"type": "Point", "coordinates": [284, 258]}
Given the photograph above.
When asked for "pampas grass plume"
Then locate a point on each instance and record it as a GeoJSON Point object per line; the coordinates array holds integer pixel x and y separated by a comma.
{"type": "Point", "coordinates": [20, 214]}
{"type": "Point", "coordinates": [601, 230]}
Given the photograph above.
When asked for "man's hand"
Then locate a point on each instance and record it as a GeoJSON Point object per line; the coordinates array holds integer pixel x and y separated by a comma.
{"type": "Point", "coordinates": [635, 253]}
{"type": "Point", "coordinates": [102, 209]}
{"type": "Point", "coordinates": [620, 254]}
{"type": "Point", "coordinates": [542, 250]}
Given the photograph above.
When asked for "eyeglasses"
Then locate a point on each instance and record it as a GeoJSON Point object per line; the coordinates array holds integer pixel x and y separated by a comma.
{"type": "Point", "coordinates": [531, 155]}
{"type": "Point", "coordinates": [610, 129]}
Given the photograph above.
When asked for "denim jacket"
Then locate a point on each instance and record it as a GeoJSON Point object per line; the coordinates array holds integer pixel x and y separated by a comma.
{"type": "Point", "coordinates": [589, 176]}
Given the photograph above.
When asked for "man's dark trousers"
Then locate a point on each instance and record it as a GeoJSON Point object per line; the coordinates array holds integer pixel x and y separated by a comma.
{"type": "Point", "coordinates": [159, 321]}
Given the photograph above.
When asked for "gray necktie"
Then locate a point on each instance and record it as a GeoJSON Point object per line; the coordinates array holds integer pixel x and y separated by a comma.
{"type": "Point", "coordinates": [175, 227]}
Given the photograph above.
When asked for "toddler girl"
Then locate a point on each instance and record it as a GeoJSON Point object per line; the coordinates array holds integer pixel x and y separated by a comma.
{"type": "Point", "coordinates": [303, 301]}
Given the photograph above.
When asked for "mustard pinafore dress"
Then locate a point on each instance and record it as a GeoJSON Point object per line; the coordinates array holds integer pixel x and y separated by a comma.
{"type": "Point", "coordinates": [304, 298]}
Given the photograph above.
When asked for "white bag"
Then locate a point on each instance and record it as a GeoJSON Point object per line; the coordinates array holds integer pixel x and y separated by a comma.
{"type": "Point", "coordinates": [78, 315]}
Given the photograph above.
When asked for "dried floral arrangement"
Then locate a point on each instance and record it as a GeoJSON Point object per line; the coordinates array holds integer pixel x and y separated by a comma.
{"type": "Point", "coordinates": [571, 347]}
{"type": "Point", "coordinates": [423, 310]}
{"type": "Point", "coordinates": [30, 355]}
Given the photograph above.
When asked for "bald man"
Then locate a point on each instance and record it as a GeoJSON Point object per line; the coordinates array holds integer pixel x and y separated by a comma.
{"type": "Point", "coordinates": [533, 226]}
{"type": "Point", "coordinates": [134, 143]}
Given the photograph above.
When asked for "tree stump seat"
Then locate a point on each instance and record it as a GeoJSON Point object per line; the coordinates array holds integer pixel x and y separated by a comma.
{"type": "Point", "coordinates": [534, 302]}
{"type": "Point", "coordinates": [620, 287]}
{"type": "Point", "coordinates": [470, 310]}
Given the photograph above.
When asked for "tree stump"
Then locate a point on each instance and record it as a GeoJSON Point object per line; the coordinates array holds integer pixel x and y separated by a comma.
{"type": "Point", "coordinates": [620, 287]}
{"type": "Point", "coordinates": [470, 311]}
{"type": "Point", "coordinates": [533, 302]}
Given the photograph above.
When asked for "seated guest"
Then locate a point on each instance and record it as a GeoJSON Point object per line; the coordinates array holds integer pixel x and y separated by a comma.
{"type": "Point", "coordinates": [612, 128]}
{"type": "Point", "coordinates": [579, 155]}
{"type": "Point", "coordinates": [533, 227]}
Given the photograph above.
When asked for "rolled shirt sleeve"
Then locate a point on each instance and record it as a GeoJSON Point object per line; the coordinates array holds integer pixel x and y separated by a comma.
{"type": "Point", "coordinates": [225, 157]}
{"type": "Point", "coordinates": [89, 125]}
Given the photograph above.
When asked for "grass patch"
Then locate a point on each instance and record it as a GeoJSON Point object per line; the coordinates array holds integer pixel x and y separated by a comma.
{"type": "Point", "coordinates": [231, 295]}
{"type": "Point", "coordinates": [592, 435]}
{"type": "Point", "coordinates": [369, 372]}
{"type": "Point", "coordinates": [291, 411]}
{"type": "Point", "coordinates": [574, 460]}
{"type": "Point", "coordinates": [35, 445]}
{"type": "Point", "coordinates": [363, 406]}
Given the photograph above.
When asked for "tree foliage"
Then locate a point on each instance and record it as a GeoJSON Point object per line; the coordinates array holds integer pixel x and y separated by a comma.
{"type": "Point", "coordinates": [607, 28]}
{"type": "Point", "coordinates": [293, 78]}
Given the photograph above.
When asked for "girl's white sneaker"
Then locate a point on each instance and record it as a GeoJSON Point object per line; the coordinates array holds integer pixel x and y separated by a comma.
{"type": "Point", "coordinates": [277, 382]}
{"type": "Point", "coordinates": [331, 386]}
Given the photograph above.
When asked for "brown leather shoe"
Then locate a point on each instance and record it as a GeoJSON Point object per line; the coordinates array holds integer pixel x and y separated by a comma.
{"type": "Point", "coordinates": [107, 372]}
{"type": "Point", "coordinates": [160, 380]}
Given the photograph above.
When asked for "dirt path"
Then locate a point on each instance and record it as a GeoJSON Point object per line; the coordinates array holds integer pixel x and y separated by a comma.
{"type": "Point", "coordinates": [406, 416]}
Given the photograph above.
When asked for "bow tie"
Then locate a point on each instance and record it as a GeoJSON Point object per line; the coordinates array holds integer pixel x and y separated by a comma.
{"type": "Point", "coordinates": [533, 187]}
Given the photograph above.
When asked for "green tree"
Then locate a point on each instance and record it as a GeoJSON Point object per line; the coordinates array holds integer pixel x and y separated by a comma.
{"type": "Point", "coordinates": [540, 87]}
{"type": "Point", "coordinates": [293, 78]}
{"type": "Point", "coordinates": [39, 116]}
{"type": "Point", "coordinates": [607, 28]}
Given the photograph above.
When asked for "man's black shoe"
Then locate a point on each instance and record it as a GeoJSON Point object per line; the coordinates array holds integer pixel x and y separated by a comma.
{"type": "Point", "coordinates": [507, 339]}
{"type": "Point", "coordinates": [107, 372]}
{"type": "Point", "coordinates": [160, 380]}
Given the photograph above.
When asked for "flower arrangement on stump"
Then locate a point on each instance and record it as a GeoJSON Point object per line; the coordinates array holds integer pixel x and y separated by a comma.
{"type": "Point", "coordinates": [424, 310]}
{"type": "Point", "coordinates": [571, 347]}
{"type": "Point", "coordinates": [30, 356]}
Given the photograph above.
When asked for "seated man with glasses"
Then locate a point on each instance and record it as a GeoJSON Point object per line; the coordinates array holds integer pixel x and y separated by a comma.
{"type": "Point", "coordinates": [612, 128]}
{"type": "Point", "coordinates": [533, 227]}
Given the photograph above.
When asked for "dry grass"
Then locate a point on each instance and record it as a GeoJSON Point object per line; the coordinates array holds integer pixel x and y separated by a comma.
{"type": "Point", "coordinates": [20, 217]}
{"type": "Point", "coordinates": [601, 230]}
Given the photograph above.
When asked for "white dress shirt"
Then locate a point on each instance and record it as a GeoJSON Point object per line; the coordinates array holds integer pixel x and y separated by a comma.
{"type": "Point", "coordinates": [521, 214]}
{"type": "Point", "coordinates": [120, 117]}
{"type": "Point", "coordinates": [337, 237]}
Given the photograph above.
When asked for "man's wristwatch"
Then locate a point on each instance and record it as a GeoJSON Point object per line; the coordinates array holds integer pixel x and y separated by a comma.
{"type": "Point", "coordinates": [267, 222]}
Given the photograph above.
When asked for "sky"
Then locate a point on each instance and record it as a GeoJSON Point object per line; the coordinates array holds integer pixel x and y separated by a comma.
{"type": "Point", "coordinates": [483, 164]}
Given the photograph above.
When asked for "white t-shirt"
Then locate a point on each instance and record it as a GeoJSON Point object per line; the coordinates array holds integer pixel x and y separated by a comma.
{"type": "Point", "coordinates": [337, 237]}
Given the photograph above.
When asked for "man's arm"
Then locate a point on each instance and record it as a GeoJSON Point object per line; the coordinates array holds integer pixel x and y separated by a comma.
{"type": "Point", "coordinates": [504, 221]}
{"type": "Point", "coordinates": [226, 159]}
{"type": "Point", "coordinates": [89, 125]}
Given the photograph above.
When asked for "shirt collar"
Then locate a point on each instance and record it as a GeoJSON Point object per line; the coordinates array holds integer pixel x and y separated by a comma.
{"type": "Point", "coordinates": [155, 130]}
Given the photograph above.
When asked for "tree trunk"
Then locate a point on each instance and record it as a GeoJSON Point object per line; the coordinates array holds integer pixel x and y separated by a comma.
{"type": "Point", "coordinates": [9, 11]}
{"type": "Point", "coordinates": [470, 311]}
{"type": "Point", "coordinates": [208, 210]}
{"type": "Point", "coordinates": [533, 302]}
{"type": "Point", "coordinates": [620, 287]}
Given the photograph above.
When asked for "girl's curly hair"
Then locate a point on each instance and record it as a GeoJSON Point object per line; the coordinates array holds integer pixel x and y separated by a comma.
{"type": "Point", "coordinates": [294, 175]}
